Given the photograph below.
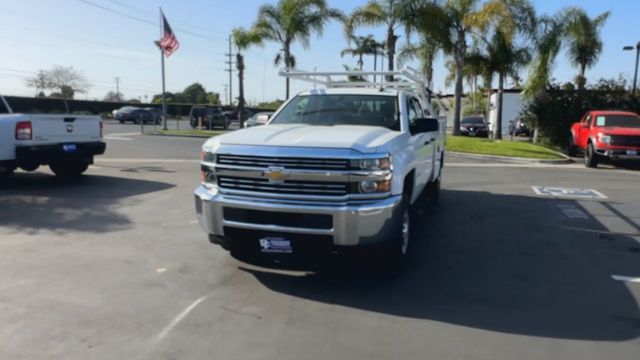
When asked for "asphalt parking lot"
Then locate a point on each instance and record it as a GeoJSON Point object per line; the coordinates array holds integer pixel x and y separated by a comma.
{"type": "Point", "coordinates": [114, 265]}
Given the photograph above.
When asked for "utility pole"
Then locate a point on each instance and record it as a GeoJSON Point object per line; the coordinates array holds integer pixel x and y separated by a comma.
{"type": "Point", "coordinates": [230, 64]}
{"type": "Point", "coordinates": [635, 77]}
{"type": "Point", "coordinates": [117, 78]}
{"type": "Point", "coordinates": [226, 93]}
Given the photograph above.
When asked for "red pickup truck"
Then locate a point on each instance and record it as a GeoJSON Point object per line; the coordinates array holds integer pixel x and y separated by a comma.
{"type": "Point", "coordinates": [606, 134]}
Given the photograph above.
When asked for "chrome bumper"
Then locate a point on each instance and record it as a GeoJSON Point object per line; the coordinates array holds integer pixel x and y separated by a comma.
{"type": "Point", "coordinates": [353, 225]}
{"type": "Point", "coordinates": [620, 154]}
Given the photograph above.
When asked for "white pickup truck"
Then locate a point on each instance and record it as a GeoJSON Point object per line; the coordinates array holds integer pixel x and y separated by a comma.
{"type": "Point", "coordinates": [333, 168]}
{"type": "Point", "coordinates": [67, 143]}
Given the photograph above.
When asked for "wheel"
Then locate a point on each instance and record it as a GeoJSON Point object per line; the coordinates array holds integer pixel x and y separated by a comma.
{"type": "Point", "coordinates": [571, 148]}
{"type": "Point", "coordinates": [591, 158]}
{"type": "Point", "coordinates": [69, 169]}
{"type": "Point", "coordinates": [397, 249]}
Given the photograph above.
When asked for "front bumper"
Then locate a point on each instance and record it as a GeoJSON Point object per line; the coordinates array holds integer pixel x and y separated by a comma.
{"type": "Point", "coordinates": [351, 225]}
{"type": "Point", "coordinates": [45, 154]}
{"type": "Point", "coordinates": [619, 154]}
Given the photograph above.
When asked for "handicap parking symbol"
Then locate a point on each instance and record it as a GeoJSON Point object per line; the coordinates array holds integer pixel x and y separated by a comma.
{"type": "Point", "coordinates": [568, 192]}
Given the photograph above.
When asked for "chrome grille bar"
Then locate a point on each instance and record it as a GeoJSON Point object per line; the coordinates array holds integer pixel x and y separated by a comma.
{"type": "Point", "coordinates": [286, 162]}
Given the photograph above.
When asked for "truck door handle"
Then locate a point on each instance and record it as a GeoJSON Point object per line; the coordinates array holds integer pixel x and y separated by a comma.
{"type": "Point", "coordinates": [427, 142]}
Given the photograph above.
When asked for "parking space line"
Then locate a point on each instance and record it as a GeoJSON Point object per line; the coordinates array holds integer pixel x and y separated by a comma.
{"type": "Point", "coordinates": [626, 278]}
{"type": "Point", "coordinates": [179, 318]}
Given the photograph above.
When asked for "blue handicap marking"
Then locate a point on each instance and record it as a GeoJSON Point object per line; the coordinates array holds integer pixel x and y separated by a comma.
{"type": "Point", "coordinates": [568, 192]}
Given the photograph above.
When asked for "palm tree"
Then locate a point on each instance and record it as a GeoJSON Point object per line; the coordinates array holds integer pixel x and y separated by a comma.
{"type": "Point", "coordinates": [363, 45]}
{"type": "Point", "coordinates": [584, 43]}
{"type": "Point", "coordinates": [243, 39]}
{"type": "Point", "coordinates": [379, 12]}
{"type": "Point", "coordinates": [547, 42]}
{"type": "Point", "coordinates": [505, 59]}
{"type": "Point", "coordinates": [425, 51]}
{"type": "Point", "coordinates": [289, 21]}
{"type": "Point", "coordinates": [452, 22]}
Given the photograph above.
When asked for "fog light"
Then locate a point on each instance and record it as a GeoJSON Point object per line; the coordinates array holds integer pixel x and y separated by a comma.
{"type": "Point", "coordinates": [368, 186]}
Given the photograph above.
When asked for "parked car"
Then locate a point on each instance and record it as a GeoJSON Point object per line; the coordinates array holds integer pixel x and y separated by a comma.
{"type": "Point", "coordinates": [135, 115]}
{"type": "Point", "coordinates": [334, 169]}
{"type": "Point", "coordinates": [209, 117]}
{"type": "Point", "coordinates": [66, 143]}
{"type": "Point", "coordinates": [474, 126]}
{"type": "Point", "coordinates": [606, 135]}
{"type": "Point", "coordinates": [260, 118]}
{"type": "Point", "coordinates": [156, 113]}
{"type": "Point", "coordinates": [518, 127]}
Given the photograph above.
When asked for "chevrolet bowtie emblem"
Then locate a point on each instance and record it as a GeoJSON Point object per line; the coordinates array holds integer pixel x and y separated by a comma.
{"type": "Point", "coordinates": [69, 128]}
{"type": "Point", "coordinates": [275, 174]}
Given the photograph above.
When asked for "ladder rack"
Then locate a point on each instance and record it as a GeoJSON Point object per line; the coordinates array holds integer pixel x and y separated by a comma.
{"type": "Point", "coordinates": [407, 79]}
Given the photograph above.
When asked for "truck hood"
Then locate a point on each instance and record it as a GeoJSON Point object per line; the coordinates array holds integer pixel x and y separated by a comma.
{"type": "Point", "coordinates": [620, 131]}
{"type": "Point", "coordinates": [365, 139]}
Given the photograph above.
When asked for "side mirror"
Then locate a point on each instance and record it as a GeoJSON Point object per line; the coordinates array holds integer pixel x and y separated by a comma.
{"type": "Point", "coordinates": [262, 119]}
{"type": "Point", "coordinates": [424, 125]}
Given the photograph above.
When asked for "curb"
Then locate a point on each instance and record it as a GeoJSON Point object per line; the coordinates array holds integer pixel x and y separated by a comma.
{"type": "Point", "coordinates": [564, 161]}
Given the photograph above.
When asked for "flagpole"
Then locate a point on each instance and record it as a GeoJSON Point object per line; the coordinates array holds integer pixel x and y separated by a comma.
{"type": "Point", "coordinates": [164, 99]}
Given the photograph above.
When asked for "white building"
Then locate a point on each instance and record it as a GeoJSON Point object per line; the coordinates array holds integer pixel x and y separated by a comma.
{"type": "Point", "coordinates": [512, 107]}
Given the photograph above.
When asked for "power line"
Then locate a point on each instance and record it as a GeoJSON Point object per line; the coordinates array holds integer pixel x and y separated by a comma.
{"type": "Point", "coordinates": [148, 22]}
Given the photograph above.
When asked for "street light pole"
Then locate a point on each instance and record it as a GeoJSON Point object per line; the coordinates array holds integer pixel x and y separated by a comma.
{"type": "Point", "coordinates": [635, 76]}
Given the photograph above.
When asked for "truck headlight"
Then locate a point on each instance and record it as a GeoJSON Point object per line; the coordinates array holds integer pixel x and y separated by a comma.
{"type": "Point", "coordinates": [208, 157]}
{"type": "Point", "coordinates": [372, 186]}
{"type": "Point", "coordinates": [604, 138]}
{"type": "Point", "coordinates": [383, 163]}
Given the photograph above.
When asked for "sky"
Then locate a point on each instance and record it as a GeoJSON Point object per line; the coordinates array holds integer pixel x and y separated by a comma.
{"type": "Point", "coordinates": [40, 34]}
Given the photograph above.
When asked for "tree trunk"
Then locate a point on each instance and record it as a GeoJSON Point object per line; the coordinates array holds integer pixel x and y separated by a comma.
{"type": "Point", "coordinates": [240, 66]}
{"type": "Point", "coordinates": [288, 64]}
{"type": "Point", "coordinates": [391, 50]}
{"type": "Point", "coordinates": [457, 114]}
{"type": "Point", "coordinates": [375, 65]}
{"type": "Point", "coordinates": [498, 128]}
{"type": "Point", "coordinates": [360, 62]}
{"type": "Point", "coordinates": [582, 80]}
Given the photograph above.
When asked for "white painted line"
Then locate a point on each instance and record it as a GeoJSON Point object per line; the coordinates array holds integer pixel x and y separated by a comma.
{"type": "Point", "coordinates": [626, 279]}
{"type": "Point", "coordinates": [193, 222]}
{"type": "Point", "coordinates": [178, 318]}
{"type": "Point", "coordinates": [116, 138]}
{"type": "Point", "coordinates": [124, 134]}
{"type": "Point", "coordinates": [555, 191]}
{"type": "Point", "coordinates": [116, 160]}
{"type": "Point", "coordinates": [572, 212]}
{"type": "Point", "coordinates": [161, 270]}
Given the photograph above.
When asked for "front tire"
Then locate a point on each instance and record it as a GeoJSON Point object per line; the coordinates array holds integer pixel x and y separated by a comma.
{"type": "Point", "coordinates": [397, 250]}
{"type": "Point", "coordinates": [591, 158]}
{"type": "Point", "coordinates": [69, 169]}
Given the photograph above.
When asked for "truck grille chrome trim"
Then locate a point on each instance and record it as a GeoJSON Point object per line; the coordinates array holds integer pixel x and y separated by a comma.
{"type": "Point", "coordinates": [286, 162]}
{"type": "Point", "coordinates": [284, 187]}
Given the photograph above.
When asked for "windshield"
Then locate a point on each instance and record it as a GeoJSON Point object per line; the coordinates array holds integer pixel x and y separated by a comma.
{"type": "Point", "coordinates": [618, 121]}
{"type": "Point", "coordinates": [328, 110]}
{"type": "Point", "coordinates": [472, 121]}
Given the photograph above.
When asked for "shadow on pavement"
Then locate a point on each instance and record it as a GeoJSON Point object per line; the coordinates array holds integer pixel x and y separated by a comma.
{"type": "Point", "coordinates": [35, 201]}
{"type": "Point", "coordinates": [511, 264]}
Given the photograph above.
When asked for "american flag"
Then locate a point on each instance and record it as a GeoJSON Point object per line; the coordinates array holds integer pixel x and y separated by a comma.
{"type": "Point", "coordinates": [169, 42]}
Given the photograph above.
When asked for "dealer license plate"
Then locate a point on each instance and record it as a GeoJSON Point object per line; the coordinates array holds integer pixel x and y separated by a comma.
{"type": "Point", "coordinates": [69, 148]}
{"type": "Point", "coordinates": [472, 133]}
{"type": "Point", "coordinates": [632, 152]}
{"type": "Point", "coordinates": [275, 245]}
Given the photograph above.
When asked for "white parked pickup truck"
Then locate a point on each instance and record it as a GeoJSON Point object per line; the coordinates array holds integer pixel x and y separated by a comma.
{"type": "Point", "coordinates": [337, 167]}
{"type": "Point", "coordinates": [67, 143]}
